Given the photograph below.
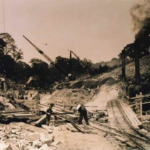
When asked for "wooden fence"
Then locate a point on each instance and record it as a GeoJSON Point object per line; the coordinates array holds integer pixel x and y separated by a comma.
{"type": "Point", "coordinates": [136, 101]}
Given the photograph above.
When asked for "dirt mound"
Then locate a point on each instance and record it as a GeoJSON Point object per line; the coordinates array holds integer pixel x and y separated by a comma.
{"type": "Point", "coordinates": [111, 81]}
{"type": "Point", "coordinates": [106, 93]}
{"type": "Point", "coordinates": [86, 84]}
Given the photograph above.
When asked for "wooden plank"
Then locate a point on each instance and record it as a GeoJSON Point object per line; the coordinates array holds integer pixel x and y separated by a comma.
{"type": "Point", "coordinates": [123, 140]}
{"type": "Point", "coordinates": [131, 144]}
{"type": "Point", "coordinates": [23, 115]}
{"type": "Point", "coordinates": [11, 113]}
{"type": "Point", "coordinates": [64, 109]}
{"type": "Point", "coordinates": [76, 126]}
{"type": "Point", "coordinates": [141, 109]}
{"type": "Point", "coordinates": [139, 104]}
{"type": "Point", "coordinates": [41, 120]}
{"type": "Point", "coordinates": [140, 96]}
{"type": "Point", "coordinates": [63, 113]}
{"type": "Point", "coordinates": [131, 115]}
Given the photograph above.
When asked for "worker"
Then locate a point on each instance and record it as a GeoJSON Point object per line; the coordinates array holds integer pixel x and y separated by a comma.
{"type": "Point", "coordinates": [49, 113]}
{"type": "Point", "coordinates": [11, 97]}
{"type": "Point", "coordinates": [83, 113]}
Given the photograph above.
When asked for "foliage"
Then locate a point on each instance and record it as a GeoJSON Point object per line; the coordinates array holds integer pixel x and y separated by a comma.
{"type": "Point", "coordinates": [11, 48]}
{"type": "Point", "coordinates": [22, 72]}
{"type": "Point", "coordinates": [40, 71]}
{"type": "Point", "coordinates": [6, 65]}
{"type": "Point", "coordinates": [43, 74]}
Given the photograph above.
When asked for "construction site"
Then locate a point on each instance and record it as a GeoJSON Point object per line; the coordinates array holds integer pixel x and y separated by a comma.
{"type": "Point", "coordinates": [70, 103]}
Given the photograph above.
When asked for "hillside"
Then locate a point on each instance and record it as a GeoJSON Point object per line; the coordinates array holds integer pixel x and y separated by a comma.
{"type": "Point", "coordinates": [111, 63]}
{"type": "Point", "coordinates": [94, 93]}
{"type": "Point", "coordinates": [130, 70]}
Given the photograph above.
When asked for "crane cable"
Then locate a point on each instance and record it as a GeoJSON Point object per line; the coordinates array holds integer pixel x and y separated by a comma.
{"type": "Point", "coordinates": [3, 15]}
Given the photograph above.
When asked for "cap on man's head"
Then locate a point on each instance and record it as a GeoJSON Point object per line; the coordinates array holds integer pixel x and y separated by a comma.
{"type": "Point", "coordinates": [78, 107]}
{"type": "Point", "coordinates": [51, 104]}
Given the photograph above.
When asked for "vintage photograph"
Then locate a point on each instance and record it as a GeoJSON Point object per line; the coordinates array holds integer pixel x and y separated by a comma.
{"type": "Point", "coordinates": [74, 74]}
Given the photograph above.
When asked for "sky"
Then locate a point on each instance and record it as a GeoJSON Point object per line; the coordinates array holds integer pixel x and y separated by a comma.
{"type": "Point", "coordinates": [94, 29]}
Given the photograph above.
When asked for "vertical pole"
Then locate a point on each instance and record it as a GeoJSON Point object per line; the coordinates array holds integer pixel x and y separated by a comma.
{"type": "Point", "coordinates": [3, 15]}
{"type": "Point", "coordinates": [141, 109]}
{"type": "Point", "coordinates": [70, 62]}
{"type": "Point", "coordinates": [136, 103]}
{"type": "Point", "coordinates": [123, 66]}
{"type": "Point", "coordinates": [137, 68]}
{"type": "Point", "coordinates": [5, 86]}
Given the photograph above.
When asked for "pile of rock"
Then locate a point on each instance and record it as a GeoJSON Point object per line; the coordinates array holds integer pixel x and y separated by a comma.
{"type": "Point", "coordinates": [100, 116]}
{"type": "Point", "coordinates": [20, 136]}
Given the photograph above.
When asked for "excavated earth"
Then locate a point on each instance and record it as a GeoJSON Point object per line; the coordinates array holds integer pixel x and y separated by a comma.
{"type": "Point", "coordinates": [94, 93]}
{"type": "Point", "coordinates": [19, 135]}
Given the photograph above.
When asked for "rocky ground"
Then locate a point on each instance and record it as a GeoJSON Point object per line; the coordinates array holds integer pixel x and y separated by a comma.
{"type": "Point", "coordinates": [94, 93]}
{"type": "Point", "coordinates": [19, 135]}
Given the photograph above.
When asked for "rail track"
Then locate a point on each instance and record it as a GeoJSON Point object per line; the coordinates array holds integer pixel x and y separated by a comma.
{"type": "Point", "coordinates": [123, 125]}
{"type": "Point", "coordinates": [121, 129]}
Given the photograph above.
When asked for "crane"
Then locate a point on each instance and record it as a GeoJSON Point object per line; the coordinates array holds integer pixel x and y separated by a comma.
{"type": "Point", "coordinates": [47, 57]}
{"type": "Point", "coordinates": [70, 64]}
{"type": "Point", "coordinates": [71, 52]}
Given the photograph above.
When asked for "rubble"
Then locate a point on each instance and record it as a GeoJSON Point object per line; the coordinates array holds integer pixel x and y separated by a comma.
{"type": "Point", "coordinates": [32, 133]}
{"type": "Point", "coordinates": [44, 147]}
{"type": "Point", "coordinates": [4, 146]}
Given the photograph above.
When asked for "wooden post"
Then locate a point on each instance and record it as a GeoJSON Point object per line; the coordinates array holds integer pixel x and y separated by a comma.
{"type": "Point", "coordinates": [136, 103]}
{"type": "Point", "coordinates": [123, 66]}
{"type": "Point", "coordinates": [141, 109]}
{"type": "Point", "coordinates": [137, 68]}
{"type": "Point", "coordinates": [5, 86]}
{"type": "Point", "coordinates": [70, 63]}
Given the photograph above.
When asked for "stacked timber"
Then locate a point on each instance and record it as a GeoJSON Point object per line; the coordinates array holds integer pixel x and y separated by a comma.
{"type": "Point", "coordinates": [60, 116]}
{"type": "Point", "coordinates": [130, 115]}
{"type": "Point", "coordinates": [18, 114]}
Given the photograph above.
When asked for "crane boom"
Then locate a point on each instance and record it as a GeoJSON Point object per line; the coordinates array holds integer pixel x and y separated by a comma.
{"type": "Point", "coordinates": [74, 54]}
{"type": "Point", "coordinates": [71, 52]}
{"type": "Point", "coordinates": [40, 51]}
{"type": "Point", "coordinates": [45, 56]}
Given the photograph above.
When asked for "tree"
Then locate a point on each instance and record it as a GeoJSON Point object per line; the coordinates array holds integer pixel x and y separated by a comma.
{"type": "Point", "coordinates": [40, 71]}
{"type": "Point", "coordinates": [11, 48]}
{"type": "Point", "coordinates": [21, 72]}
{"type": "Point", "coordinates": [63, 63]}
{"type": "Point", "coordinates": [2, 45]}
{"type": "Point", "coordinates": [7, 65]}
{"type": "Point", "coordinates": [87, 64]}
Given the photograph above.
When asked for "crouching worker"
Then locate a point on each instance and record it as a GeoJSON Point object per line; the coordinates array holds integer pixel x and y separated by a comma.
{"type": "Point", "coordinates": [83, 113]}
{"type": "Point", "coordinates": [49, 113]}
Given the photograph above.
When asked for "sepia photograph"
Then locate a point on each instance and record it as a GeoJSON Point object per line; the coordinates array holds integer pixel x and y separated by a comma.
{"type": "Point", "coordinates": [74, 74]}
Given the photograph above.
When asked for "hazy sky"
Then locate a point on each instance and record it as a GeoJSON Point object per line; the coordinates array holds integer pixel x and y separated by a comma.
{"type": "Point", "coordinates": [94, 29]}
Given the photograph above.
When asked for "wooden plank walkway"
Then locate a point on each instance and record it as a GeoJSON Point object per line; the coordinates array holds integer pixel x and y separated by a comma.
{"type": "Point", "coordinates": [130, 115]}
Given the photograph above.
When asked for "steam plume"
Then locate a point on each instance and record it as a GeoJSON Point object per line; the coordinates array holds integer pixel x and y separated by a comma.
{"type": "Point", "coordinates": [141, 19]}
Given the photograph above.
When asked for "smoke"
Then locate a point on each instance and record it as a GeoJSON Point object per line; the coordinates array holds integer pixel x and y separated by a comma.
{"type": "Point", "coordinates": [141, 19]}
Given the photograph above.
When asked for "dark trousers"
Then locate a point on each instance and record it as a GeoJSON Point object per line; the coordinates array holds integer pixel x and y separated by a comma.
{"type": "Point", "coordinates": [48, 118]}
{"type": "Point", "coordinates": [83, 115]}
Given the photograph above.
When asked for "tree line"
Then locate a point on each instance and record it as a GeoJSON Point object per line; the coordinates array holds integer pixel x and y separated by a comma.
{"type": "Point", "coordinates": [43, 74]}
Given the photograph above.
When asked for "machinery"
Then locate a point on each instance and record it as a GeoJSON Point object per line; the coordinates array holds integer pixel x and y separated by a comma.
{"type": "Point", "coordinates": [72, 76]}
{"type": "Point", "coordinates": [68, 76]}
{"type": "Point", "coordinates": [71, 52]}
{"type": "Point", "coordinates": [48, 58]}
